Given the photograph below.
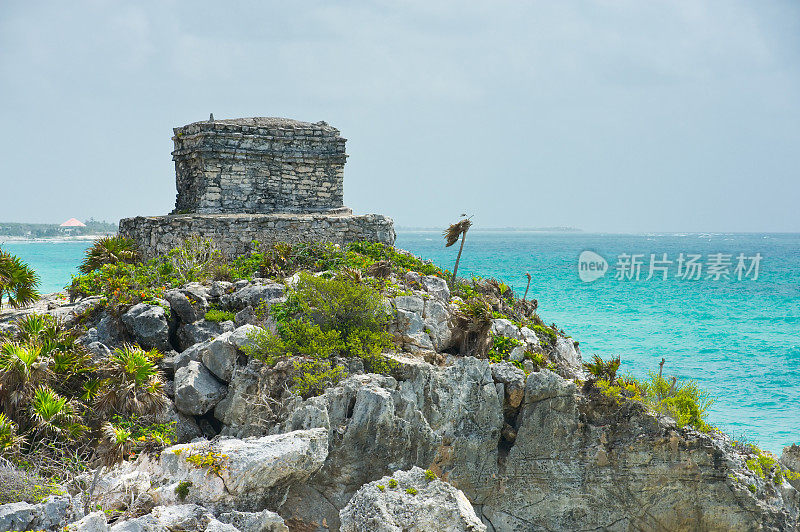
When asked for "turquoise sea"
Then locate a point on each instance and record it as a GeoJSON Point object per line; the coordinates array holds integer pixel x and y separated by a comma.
{"type": "Point", "coordinates": [740, 339]}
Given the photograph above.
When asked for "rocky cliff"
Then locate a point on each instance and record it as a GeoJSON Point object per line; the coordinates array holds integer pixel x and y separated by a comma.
{"type": "Point", "coordinates": [451, 437]}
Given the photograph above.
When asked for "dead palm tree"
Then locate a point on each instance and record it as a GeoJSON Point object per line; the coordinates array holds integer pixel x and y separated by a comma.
{"type": "Point", "coordinates": [451, 236]}
{"type": "Point", "coordinates": [527, 287]}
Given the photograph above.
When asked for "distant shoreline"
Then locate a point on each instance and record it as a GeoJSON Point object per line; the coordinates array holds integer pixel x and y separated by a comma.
{"type": "Point", "coordinates": [505, 229]}
{"type": "Point", "coordinates": [55, 239]}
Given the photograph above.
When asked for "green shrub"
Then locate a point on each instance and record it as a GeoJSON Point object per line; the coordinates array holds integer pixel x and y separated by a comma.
{"type": "Point", "coordinates": [18, 281]}
{"type": "Point", "coordinates": [133, 384]}
{"type": "Point", "coordinates": [123, 283]}
{"type": "Point", "coordinates": [767, 467]}
{"type": "Point", "coordinates": [109, 250]}
{"type": "Point", "coordinates": [400, 261]}
{"type": "Point", "coordinates": [430, 475]}
{"type": "Point", "coordinates": [294, 337]}
{"type": "Point", "coordinates": [217, 315]}
{"type": "Point", "coordinates": [312, 377]}
{"type": "Point", "coordinates": [601, 369]}
{"type": "Point", "coordinates": [501, 347]}
{"type": "Point", "coordinates": [381, 487]}
{"type": "Point", "coordinates": [322, 318]}
{"type": "Point", "coordinates": [182, 489]}
{"type": "Point", "coordinates": [547, 336]}
{"type": "Point", "coordinates": [392, 483]}
{"type": "Point", "coordinates": [209, 460]}
{"type": "Point", "coordinates": [411, 491]}
{"type": "Point", "coordinates": [684, 401]}
{"type": "Point", "coordinates": [339, 304]}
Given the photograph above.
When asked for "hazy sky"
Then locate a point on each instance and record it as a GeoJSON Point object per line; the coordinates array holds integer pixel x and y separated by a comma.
{"type": "Point", "coordinates": [608, 115]}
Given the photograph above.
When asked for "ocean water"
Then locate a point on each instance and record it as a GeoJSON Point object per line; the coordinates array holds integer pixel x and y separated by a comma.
{"type": "Point", "coordinates": [739, 339]}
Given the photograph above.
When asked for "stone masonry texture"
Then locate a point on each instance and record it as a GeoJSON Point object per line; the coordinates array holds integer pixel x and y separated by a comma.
{"type": "Point", "coordinates": [257, 179]}
{"type": "Point", "coordinates": [258, 166]}
{"type": "Point", "coordinates": [233, 234]}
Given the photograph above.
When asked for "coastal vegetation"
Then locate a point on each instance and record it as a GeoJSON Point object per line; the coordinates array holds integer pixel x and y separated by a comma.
{"type": "Point", "coordinates": [305, 318]}
{"type": "Point", "coordinates": [683, 401]}
{"type": "Point", "coordinates": [109, 250]}
{"type": "Point", "coordinates": [62, 411]}
{"type": "Point", "coordinates": [18, 281]}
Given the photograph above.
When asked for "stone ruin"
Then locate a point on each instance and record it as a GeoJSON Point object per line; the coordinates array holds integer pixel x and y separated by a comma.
{"type": "Point", "coordinates": [257, 179]}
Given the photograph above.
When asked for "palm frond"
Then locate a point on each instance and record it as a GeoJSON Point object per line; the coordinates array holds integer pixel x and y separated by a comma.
{"type": "Point", "coordinates": [452, 233]}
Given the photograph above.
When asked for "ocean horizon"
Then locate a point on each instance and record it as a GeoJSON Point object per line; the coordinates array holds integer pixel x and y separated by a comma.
{"type": "Point", "coordinates": [737, 337]}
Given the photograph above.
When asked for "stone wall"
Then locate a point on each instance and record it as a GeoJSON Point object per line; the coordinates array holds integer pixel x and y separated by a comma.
{"type": "Point", "coordinates": [233, 234]}
{"type": "Point", "coordinates": [258, 165]}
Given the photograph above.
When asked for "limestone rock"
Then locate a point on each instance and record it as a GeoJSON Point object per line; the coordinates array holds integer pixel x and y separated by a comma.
{"type": "Point", "coordinates": [436, 286]}
{"type": "Point", "coordinates": [16, 516]}
{"type": "Point", "coordinates": [529, 339]}
{"type": "Point", "coordinates": [432, 505]}
{"type": "Point", "coordinates": [242, 336]}
{"type": "Point", "coordinates": [253, 469]}
{"type": "Point", "coordinates": [219, 356]}
{"type": "Point", "coordinates": [513, 380]}
{"type": "Point", "coordinates": [188, 304]}
{"type": "Point", "coordinates": [53, 513]}
{"type": "Point", "coordinates": [110, 331]}
{"type": "Point", "coordinates": [94, 522]}
{"type": "Point", "coordinates": [417, 421]}
{"type": "Point", "coordinates": [252, 295]}
{"type": "Point", "coordinates": [147, 324]}
{"type": "Point", "coordinates": [504, 327]}
{"type": "Point", "coordinates": [190, 334]}
{"type": "Point", "coordinates": [265, 521]}
{"type": "Point", "coordinates": [196, 389]}
{"type": "Point", "coordinates": [437, 317]}
{"type": "Point", "coordinates": [567, 356]}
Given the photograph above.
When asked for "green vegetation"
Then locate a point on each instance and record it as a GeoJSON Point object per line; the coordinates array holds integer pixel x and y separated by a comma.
{"type": "Point", "coordinates": [766, 466]}
{"type": "Point", "coordinates": [60, 411]}
{"type": "Point", "coordinates": [392, 483]}
{"type": "Point", "coordinates": [501, 347]}
{"type": "Point", "coordinates": [219, 316]}
{"type": "Point", "coordinates": [684, 401]}
{"type": "Point", "coordinates": [381, 487]}
{"type": "Point", "coordinates": [411, 491]}
{"type": "Point", "coordinates": [123, 283]}
{"type": "Point", "coordinates": [18, 281]}
{"type": "Point", "coordinates": [210, 460]}
{"type": "Point", "coordinates": [182, 489]}
{"type": "Point", "coordinates": [323, 318]}
{"type": "Point", "coordinates": [430, 475]}
{"type": "Point", "coordinates": [312, 377]}
{"type": "Point", "coordinates": [109, 250]}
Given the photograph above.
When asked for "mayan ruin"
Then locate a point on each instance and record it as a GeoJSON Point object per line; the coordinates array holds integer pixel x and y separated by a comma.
{"type": "Point", "coordinates": [257, 179]}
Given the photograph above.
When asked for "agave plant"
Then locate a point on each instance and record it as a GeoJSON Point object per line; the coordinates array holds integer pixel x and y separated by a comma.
{"type": "Point", "coordinates": [34, 327]}
{"type": "Point", "coordinates": [133, 385]}
{"type": "Point", "coordinates": [22, 369]}
{"type": "Point", "coordinates": [109, 250]}
{"type": "Point", "coordinates": [54, 416]}
{"type": "Point", "coordinates": [18, 281]}
{"type": "Point", "coordinates": [451, 236]}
